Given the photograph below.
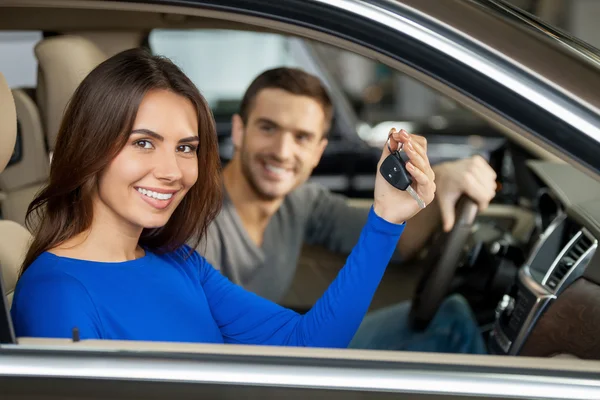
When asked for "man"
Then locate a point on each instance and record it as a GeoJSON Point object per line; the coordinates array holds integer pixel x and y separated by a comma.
{"type": "Point", "coordinates": [270, 210]}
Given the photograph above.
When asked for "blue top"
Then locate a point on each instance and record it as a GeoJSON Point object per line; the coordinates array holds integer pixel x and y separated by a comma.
{"type": "Point", "coordinates": [175, 297]}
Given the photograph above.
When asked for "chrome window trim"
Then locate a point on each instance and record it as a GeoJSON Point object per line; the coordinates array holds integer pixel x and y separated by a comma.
{"type": "Point", "coordinates": [399, 377]}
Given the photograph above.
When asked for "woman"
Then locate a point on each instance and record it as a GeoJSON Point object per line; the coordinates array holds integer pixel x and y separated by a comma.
{"type": "Point", "coordinates": [135, 176]}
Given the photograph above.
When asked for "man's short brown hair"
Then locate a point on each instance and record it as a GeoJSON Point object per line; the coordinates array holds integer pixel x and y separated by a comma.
{"type": "Point", "coordinates": [291, 80]}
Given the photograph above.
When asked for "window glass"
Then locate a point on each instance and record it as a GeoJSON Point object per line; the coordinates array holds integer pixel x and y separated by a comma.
{"type": "Point", "coordinates": [222, 63]}
{"type": "Point", "coordinates": [369, 98]}
{"type": "Point", "coordinates": [18, 63]}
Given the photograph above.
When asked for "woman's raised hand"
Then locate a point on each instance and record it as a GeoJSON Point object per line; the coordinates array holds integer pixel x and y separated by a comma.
{"type": "Point", "coordinates": [397, 206]}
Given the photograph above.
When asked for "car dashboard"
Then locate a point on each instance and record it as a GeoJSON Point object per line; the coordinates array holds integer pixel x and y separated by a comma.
{"type": "Point", "coordinates": [563, 251]}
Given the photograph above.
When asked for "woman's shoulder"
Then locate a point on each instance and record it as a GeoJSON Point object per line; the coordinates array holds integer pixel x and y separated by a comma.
{"type": "Point", "coordinates": [184, 255]}
{"type": "Point", "coordinates": [47, 262]}
{"type": "Point", "coordinates": [49, 275]}
{"type": "Point", "coordinates": [187, 260]}
{"type": "Point", "coordinates": [50, 267]}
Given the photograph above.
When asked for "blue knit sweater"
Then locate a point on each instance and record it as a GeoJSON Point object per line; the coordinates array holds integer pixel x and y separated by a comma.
{"type": "Point", "coordinates": [176, 297]}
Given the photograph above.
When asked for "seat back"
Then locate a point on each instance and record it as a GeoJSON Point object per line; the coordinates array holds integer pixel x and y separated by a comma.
{"type": "Point", "coordinates": [14, 238]}
{"type": "Point", "coordinates": [8, 123]}
{"type": "Point", "coordinates": [28, 171]}
{"type": "Point", "coordinates": [63, 63]}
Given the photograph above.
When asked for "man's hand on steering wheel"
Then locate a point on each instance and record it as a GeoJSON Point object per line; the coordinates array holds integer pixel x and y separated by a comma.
{"type": "Point", "coordinates": [472, 177]}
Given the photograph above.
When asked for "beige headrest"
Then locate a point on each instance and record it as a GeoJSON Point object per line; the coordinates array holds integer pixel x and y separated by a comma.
{"type": "Point", "coordinates": [33, 166]}
{"type": "Point", "coordinates": [14, 243]}
{"type": "Point", "coordinates": [64, 61]}
{"type": "Point", "coordinates": [8, 123]}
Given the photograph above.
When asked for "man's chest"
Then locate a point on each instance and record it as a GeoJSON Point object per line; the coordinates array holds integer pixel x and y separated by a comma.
{"type": "Point", "coordinates": [266, 269]}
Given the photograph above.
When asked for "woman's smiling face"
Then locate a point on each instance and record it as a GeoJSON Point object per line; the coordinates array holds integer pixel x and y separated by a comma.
{"type": "Point", "coordinates": [143, 185]}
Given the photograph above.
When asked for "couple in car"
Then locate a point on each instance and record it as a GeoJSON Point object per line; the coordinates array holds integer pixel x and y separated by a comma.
{"type": "Point", "coordinates": [141, 236]}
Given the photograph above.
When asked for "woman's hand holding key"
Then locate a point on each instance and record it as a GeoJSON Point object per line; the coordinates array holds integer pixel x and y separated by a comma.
{"type": "Point", "coordinates": [397, 206]}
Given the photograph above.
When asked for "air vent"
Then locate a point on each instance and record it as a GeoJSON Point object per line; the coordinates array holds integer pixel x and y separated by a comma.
{"type": "Point", "coordinates": [579, 245]}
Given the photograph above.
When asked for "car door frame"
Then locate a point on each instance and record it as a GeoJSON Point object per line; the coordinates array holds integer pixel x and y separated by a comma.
{"type": "Point", "coordinates": [125, 371]}
{"type": "Point", "coordinates": [93, 369]}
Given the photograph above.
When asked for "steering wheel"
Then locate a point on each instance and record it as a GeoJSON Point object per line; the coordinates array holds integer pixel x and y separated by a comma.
{"type": "Point", "coordinates": [441, 264]}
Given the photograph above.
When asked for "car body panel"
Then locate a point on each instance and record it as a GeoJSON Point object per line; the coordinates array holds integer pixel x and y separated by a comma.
{"type": "Point", "coordinates": [324, 371]}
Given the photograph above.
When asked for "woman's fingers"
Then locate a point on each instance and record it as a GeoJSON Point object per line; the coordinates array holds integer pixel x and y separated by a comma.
{"type": "Point", "coordinates": [415, 147]}
{"type": "Point", "coordinates": [397, 139]}
{"type": "Point", "coordinates": [398, 206]}
{"type": "Point", "coordinates": [425, 186]}
{"type": "Point", "coordinates": [419, 176]}
{"type": "Point", "coordinates": [415, 158]}
{"type": "Point", "coordinates": [419, 143]}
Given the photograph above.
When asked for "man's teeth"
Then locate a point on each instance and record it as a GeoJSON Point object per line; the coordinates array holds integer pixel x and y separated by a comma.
{"type": "Point", "coordinates": [155, 195]}
{"type": "Point", "coordinates": [275, 170]}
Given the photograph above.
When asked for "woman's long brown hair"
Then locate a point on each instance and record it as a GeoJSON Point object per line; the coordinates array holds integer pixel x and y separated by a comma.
{"type": "Point", "coordinates": [94, 129]}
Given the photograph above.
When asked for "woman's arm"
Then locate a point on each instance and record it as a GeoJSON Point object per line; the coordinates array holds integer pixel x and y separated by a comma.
{"type": "Point", "coordinates": [244, 317]}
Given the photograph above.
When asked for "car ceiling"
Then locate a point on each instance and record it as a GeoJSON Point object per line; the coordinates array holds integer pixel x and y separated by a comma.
{"type": "Point", "coordinates": [54, 19]}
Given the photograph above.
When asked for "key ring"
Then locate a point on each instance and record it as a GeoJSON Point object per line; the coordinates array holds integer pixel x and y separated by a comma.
{"type": "Point", "coordinates": [388, 144]}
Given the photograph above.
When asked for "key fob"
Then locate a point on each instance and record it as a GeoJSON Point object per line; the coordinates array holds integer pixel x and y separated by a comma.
{"type": "Point", "coordinates": [393, 169]}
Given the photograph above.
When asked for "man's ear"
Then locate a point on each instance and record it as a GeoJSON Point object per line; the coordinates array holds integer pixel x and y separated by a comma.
{"type": "Point", "coordinates": [237, 131]}
{"type": "Point", "coordinates": [319, 151]}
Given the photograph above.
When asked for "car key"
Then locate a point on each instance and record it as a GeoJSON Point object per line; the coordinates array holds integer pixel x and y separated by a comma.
{"type": "Point", "coordinates": [393, 169]}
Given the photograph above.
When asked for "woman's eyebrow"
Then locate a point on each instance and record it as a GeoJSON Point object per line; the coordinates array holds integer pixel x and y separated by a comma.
{"type": "Point", "coordinates": [191, 139]}
{"type": "Point", "coordinates": [149, 133]}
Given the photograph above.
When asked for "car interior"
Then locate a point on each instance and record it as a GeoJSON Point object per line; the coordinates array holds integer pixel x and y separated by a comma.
{"type": "Point", "coordinates": [527, 265]}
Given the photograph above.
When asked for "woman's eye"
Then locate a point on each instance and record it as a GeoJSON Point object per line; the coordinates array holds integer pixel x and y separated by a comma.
{"type": "Point", "coordinates": [143, 144]}
{"type": "Point", "coordinates": [186, 148]}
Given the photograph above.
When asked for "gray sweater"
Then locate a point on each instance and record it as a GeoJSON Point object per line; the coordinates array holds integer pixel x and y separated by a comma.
{"type": "Point", "coordinates": [310, 214]}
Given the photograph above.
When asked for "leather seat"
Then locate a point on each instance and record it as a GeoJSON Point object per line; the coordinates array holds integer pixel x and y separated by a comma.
{"type": "Point", "coordinates": [28, 172]}
{"type": "Point", "coordinates": [14, 238]}
{"type": "Point", "coordinates": [63, 63]}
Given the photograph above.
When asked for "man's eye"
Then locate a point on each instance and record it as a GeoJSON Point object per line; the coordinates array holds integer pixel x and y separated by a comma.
{"type": "Point", "coordinates": [143, 144]}
{"type": "Point", "coordinates": [267, 128]}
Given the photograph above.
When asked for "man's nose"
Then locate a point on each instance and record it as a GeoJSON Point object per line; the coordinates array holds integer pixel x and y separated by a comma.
{"type": "Point", "coordinates": [167, 167]}
{"type": "Point", "coordinates": [284, 146]}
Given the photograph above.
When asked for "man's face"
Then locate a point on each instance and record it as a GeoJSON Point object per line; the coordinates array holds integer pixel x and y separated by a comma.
{"type": "Point", "coordinates": [281, 143]}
